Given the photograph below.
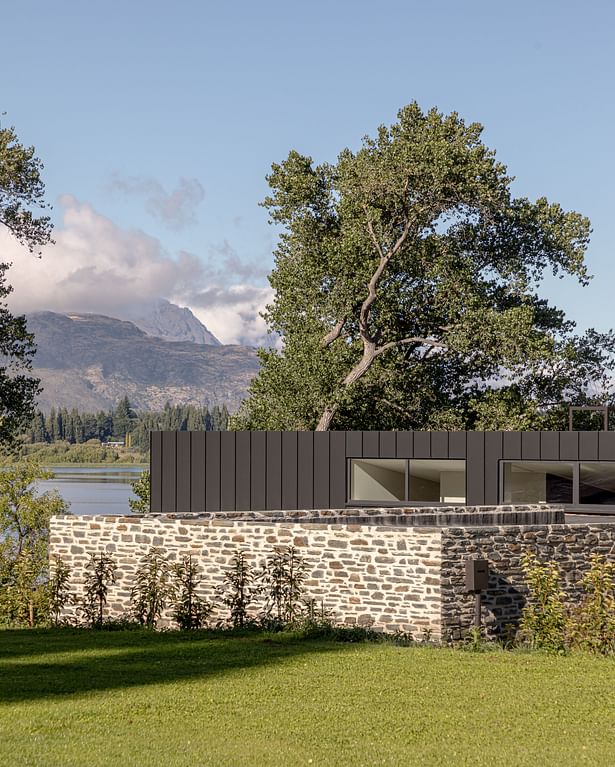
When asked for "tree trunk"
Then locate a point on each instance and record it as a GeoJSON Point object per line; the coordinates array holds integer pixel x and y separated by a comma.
{"type": "Point", "coordinates": [325, 419]}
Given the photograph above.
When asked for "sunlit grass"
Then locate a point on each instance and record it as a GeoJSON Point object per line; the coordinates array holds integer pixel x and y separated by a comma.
{"type": "Point", "coordinates": [136, 698]}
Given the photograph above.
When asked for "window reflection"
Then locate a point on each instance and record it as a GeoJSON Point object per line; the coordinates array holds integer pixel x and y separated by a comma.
{"type": "Point", "coordinates": [537, 482]}
{"type": "Point", "coordinates": [597, 483]}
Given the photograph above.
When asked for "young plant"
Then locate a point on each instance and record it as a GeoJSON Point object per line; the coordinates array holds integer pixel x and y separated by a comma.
{"type": "Point", "coordinates": [543, 621]}
{"type": "Point", "coordinates": [190, 611]}
{"type": "Point", "coordinates": [283, 577]}
{"type": "Point", "coordinates": [59, 589]}
{"type": "Point", "coordinates": [141, 488]}
{"type": "Point", "coordinates": [592, 624]}
{"type": "Point", "coordinates": [152, 589]}
{"type": "Point", "coordinates": [240, 589]}
{"type": "Point", "coordinates": [100, 574]}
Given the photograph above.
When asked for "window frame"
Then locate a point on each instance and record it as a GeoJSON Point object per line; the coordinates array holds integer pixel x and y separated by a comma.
{"type": "Point", "coordinates": [576, 478]}
{"type": "Point", "coordinates": [406, 502]}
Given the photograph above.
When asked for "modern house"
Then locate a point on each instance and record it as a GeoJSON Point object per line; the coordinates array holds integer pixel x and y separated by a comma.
{"type": "Point", "coordinates": [243, 471]}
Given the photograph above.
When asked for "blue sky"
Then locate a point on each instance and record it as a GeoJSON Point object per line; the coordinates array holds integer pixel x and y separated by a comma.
{"type": "Point", "coordinates": [158, 123]}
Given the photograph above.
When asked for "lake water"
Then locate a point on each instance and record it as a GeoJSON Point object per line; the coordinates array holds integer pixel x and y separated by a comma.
{"type": "Point", "coordinates": [94, 490]}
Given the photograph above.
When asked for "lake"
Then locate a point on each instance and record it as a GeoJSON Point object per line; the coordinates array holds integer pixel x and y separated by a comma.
{"type": "Point", "coordinates": [94, 489]}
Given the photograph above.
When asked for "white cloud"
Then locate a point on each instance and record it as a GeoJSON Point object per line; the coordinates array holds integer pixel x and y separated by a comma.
{"type": "Point", "coordinates": [233, 313]}
{"type": "Point", "coordinates": [177, 209]}
{"type": "Point", "coordinates": [97, 266]}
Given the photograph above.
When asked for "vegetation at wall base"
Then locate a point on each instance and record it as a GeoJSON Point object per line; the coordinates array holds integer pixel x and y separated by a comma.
{"type": "Point", "coordinates": [73, 697]}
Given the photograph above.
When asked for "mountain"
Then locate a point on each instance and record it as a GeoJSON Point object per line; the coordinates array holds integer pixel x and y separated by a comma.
{"type": "Point", "coordinates": [171, 323]}
{"type": "Point", "coordinates": [90, 361]}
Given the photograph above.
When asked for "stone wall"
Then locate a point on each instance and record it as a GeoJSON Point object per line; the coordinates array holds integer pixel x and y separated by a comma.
{"type": "Point", "coordinates": [382, 571]}
{"type": "Point", "coordinates": [570, 546]}
{"type": "Point", "coordinates": [384, 576]}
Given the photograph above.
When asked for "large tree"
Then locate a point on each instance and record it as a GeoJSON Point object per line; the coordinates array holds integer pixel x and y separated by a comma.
{"type": "Point", "coordinates": [406, 291]}
{"type": "Point", "coordinates": [21, 193]}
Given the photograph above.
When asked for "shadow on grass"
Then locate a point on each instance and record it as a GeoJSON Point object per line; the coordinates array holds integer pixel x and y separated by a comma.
{"type": "Point", "coordinates": [65, 662]}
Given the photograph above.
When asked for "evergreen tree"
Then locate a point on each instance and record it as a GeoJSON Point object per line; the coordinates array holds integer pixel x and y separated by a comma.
{"type": "Point", "coordinates": [123, 418]}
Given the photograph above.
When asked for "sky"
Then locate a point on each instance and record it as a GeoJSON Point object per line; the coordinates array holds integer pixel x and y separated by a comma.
{"type": "Point", "coordinates": [157, 124]}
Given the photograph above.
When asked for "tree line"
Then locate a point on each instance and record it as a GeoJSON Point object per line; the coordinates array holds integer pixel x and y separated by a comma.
{"type": "Point", "coordinates": [74, 426]}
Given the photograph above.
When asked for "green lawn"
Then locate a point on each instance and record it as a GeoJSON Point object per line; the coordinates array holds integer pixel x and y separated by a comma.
{"type": "Point", "coordinates": [135, 698]}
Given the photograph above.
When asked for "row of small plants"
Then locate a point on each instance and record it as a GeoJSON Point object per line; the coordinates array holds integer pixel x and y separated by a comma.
{"type": "Point", "coordinates": [549, 622]}
{"type": "Point", "coordinates": [271, 596]}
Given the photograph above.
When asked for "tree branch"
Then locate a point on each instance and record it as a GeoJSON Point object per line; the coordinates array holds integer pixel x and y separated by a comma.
{"type": "Point", "coordinates": [333, 334]}
{"type": "Point", "coordinates": [431, 342]}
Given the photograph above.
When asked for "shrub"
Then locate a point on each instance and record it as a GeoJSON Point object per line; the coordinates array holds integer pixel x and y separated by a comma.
{"type": "Point", "coordinates": [190, 611]}
{"type": "Point", "coordinates": [100, 574]}
{"type": "Point", "coordinates": [543, 621]}
{"type": "Point", "coordinates": [591, 625]}
{"type": "Point", "coordinates": [240, 589]}
{"type": "Point", "coordinates": [59, 591]}
{"type": "Point", "coordinates": [282, 577]}
{"type": "Point", "coordinates": [141, 488]}
{"type": "Point", "coordinates": [152, 589]}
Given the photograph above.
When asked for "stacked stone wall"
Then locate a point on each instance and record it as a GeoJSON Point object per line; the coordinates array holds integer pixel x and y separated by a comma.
{"type": "Point", "coordinates": [382, 576]}
{"type": "Point", "coordinates": [394, 577]}
{"type": "Point", "coordinates": [569, 546]}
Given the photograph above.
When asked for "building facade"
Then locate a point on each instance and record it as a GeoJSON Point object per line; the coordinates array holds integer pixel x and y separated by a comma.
{"type": "Point", "coordinates": [195, 472]}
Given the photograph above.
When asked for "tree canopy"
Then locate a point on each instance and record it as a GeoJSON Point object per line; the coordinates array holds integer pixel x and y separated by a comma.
{"type": "Point", "coordinates": [21, 191]}
{"type": "Point", "coordinates": [406, 291]}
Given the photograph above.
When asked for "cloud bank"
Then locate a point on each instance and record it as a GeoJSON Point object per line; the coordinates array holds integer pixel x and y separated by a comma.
{"type": "Point", "coordinates": [97, 266]}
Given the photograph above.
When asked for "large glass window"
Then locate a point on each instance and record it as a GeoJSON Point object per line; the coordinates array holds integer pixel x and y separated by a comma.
{"type": "Point", "coordinates": [433, 481]}
{"type": "Point", "coordinates": [392, 480]}
{"type": "Point", "coordinates": [537, 482]}
{"type": "Point", "coordinates": [378, 479]}
{"type": "Point", "coordinates": [597, 483]}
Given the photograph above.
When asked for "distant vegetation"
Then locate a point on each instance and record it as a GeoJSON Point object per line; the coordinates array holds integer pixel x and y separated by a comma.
{"type": "Point", "coordinates": [63, 436]}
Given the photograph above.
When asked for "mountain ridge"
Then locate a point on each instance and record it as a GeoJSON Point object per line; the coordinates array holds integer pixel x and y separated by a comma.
{"type": "Point", "coordinates": [90, 361]}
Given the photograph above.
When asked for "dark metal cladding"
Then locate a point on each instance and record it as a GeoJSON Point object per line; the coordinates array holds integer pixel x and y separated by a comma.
{"type": "Point", "coordinates": [155, 471]}
{"type": "Point", "coordinates": [549, 445]}
{"type": "Point", "coordinates": [183, 468]}
{"type": "Point", "coordinates": [321, 470]}
{"type": "Point", "coordinates": [227, 471]}
{"type": "Point", "coordinates": [475, 468]}
{"type": "Point", "coordinates": [243, 459]}
{"type": "Point", "coordinates": [371, 444]}
{"type": "Point", "coordinates": [305, 470]}
{"type": "Point", "coordinates": [273, 475]}
{"type": "Point", "coordinates": [197, 472]}
{"type": "Point", "coordinates": [530, 446]}
{"type": "Point", "coordinates": [169, 471]}
{"type": "Point", "coordinates": [212, 471]}
{"type": "Point", "coordinates": [337, 475]}
{"type": "Point", "coordinates": [258, 470]}
{"type": "Point", "coordinates": [569, 446]}
{"type": "Point", "coordinates": [588, 445]}
{"type": "Point", "coordinates": [289, 470]}
{"type": "Point", "coordinates": [240, 471]}
{"type": "Point", "coordinates": [387, 444]}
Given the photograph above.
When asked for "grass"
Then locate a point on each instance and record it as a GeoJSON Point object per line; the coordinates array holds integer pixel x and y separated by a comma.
{"type": "Point", "coordinates": [70, 697]}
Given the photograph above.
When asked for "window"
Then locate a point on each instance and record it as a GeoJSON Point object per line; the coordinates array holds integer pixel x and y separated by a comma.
{"type": "Point", "coordinates": [378, 479]}
{"type": "Point", "coordinates": [537, 482]}
{"type": "Point", "coordinates": [395, 480]}
{"type": "Point", "coordinates": [597, 483]}
{"type": "Point", "coordinates": [433, 481]}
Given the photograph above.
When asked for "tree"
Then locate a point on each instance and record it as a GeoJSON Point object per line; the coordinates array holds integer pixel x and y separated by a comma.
{"type": "Point", "coordinates": [141, 488]}
{"type": "Point", "coordinates": [123, 417]}
{"type": "Point", "coordinates": [24, 541]}
{"type": "Point", "coordinates": [21, 191]}
{"type": "Point", "coordinates": [406, 280]}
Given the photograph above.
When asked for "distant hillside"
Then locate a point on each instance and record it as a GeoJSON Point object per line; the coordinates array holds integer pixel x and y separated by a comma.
{"type": "Point", "coordinates": [171, 322]}
{"type": "Point", "coordinates": [89, 361]}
